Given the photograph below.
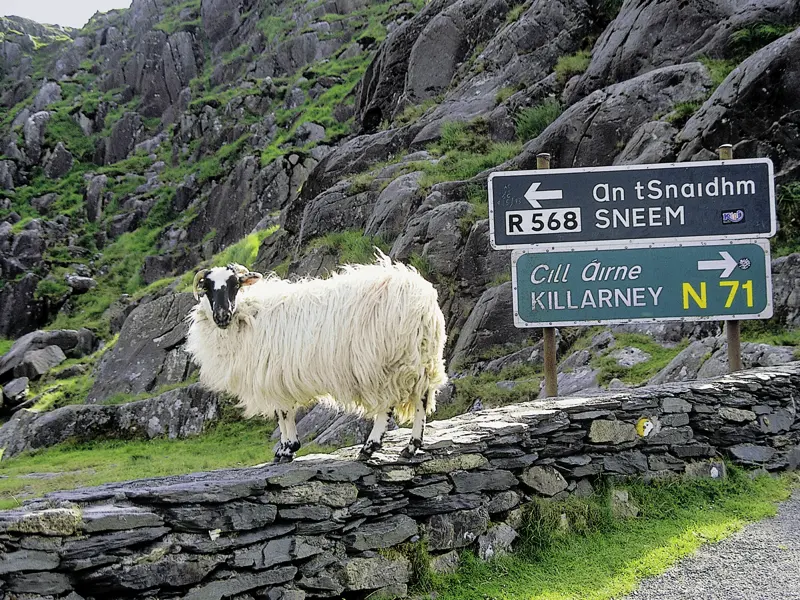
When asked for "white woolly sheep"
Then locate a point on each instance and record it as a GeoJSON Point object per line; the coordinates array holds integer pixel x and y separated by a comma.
{"type": "Point", "coordinates": [370, 339]}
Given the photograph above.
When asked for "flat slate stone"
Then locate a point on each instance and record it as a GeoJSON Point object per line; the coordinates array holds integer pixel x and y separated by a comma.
{"type": "Point", "coordinates": [28, 560]}
{"type": "Point", "coordinates": [112, 518]}
{"type": "Point", "coordinates": [475, 481]}
{"type": "Point", "coordinates": [238, 515]}
{"type": "Point", "coordinates": [612, 432]}
{"type": "Point", "coordinates": [227, 588]}
{"type": "Point", "coordinates": [337, 495]}
{"type": "Point", "coordinates": [750, 453]}
{"type": "Point", "coordinates": [456, 529]}
{"type": "Point", "coordinates": [382, 534]}
{"type": "Point", "coordinates": [544, 480]}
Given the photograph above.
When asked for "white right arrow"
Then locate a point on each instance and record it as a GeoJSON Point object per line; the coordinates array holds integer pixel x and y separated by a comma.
{"type": "Point", "coordinates": [533, 196]}
{"type": "Point", "coordinates": [727, 265]}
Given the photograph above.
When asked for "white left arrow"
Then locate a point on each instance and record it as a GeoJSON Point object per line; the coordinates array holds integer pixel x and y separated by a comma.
{"type": "Point", "coordinates": [533, 196]}
{"type": "Point", "coordinates": [726, 265]}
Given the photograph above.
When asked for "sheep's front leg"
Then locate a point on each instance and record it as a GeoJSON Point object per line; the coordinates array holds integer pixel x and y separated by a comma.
{"type": "Point", "coordinates": [416, 431]}
{"type": "Point", "coordinates": [289, 442]}
{"type": "Point", "coordinates": [375, 439]}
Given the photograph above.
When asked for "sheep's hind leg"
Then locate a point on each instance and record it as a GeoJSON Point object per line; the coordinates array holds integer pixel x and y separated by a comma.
{"type": "Point", "coordinates": [289, 442]}
{"type": "Point", "coordinates": [417, 430]}
{"type": "Point", "coordinates": [375, 439]}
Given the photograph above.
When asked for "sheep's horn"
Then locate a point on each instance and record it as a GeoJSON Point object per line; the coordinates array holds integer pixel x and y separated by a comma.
{"type": "Point", "coordinates": [237, 268]}
{"type": "Point", "coordinates": [196, 283]}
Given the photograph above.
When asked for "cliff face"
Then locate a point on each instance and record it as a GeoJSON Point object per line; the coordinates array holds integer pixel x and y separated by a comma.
{"type": "Point", "coordinates": [293, 135]}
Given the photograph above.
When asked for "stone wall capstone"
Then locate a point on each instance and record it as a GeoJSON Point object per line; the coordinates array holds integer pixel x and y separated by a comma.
{"type": "Point", "coordinates": [320, 527]}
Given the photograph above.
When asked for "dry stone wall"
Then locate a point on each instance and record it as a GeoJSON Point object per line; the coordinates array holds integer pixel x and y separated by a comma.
{"type": "Point", "coordinates": [321, 526]}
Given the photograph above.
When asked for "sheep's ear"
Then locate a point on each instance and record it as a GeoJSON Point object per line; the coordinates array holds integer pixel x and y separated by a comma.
{"type": "Point", "coordinates": [249, 278]}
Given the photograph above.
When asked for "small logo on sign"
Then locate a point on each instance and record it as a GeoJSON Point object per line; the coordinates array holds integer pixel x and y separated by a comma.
{"type": "Point", "coordinates": [732, 216]}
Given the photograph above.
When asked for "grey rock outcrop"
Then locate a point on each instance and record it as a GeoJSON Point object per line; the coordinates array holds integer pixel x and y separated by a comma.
{"type": "Point", "coordinates": [94, 197]}
{"type": "Point", "coordinates": [20, 311]}
{"type": "Point", "coordinates": [594, 130]}
{"type": "Point", "coordinates": [489, 326]}
{"type": "Point", "coordinates": [124, 136]}
{"type": "Point", "coordinates": [683, 32]}
{"type": "Point", "coordinates": [74, 344]}
{"type": "Point", "coordinates": [786, 289]}
{"type": "Point", "coordinates": [58, 162]}
{"type": "Point", "coordinates": [736, 111]}
{"type": "Point", "coordinates": [149, 353]}
{"type": "Point", "coordinates": [33, 132]}
{"type": "Point", "coordinates": [36, 363]}
{"type": "Point", "coordinates": [48, 94]}
{"type": "Point", "coordinates": [179, 413]}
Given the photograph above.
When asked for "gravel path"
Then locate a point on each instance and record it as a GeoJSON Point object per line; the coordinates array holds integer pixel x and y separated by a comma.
{"type": "Point", "coordinates": [760, 562]}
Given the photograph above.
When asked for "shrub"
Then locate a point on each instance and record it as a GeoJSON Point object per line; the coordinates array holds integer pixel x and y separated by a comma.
{"type": "Point", "coordinates": [352, 247]}
{"type": "Point", "coordinates": [752, 38]}
{"type": "Point", "coordinates": [569, 66]}
{"type": "Point", "coordinates": [533, 121]}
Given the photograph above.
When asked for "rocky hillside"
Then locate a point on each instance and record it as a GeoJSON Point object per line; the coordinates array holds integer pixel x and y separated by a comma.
{"type": "Point", "coordinates": [293, 135]}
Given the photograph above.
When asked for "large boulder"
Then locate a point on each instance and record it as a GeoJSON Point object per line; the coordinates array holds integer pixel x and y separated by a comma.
{"type": "Point", "coordinates": [8, 169]}
{"type": "Point", "coordinates": [48, 94]}
{"type": "Point", "coordinates": [20, 311]}
{"type": "Point", "coordinates": [33, 131]}
{"type": "Point", "coordinates": [490, 324]}
{"type": "Point", "coordinates": [786, 289]}
{"type": "Point", "coordinates": [37, 363]}
{"type": "Point", "coordinates": [740, 112]}
{"type": "Point", "coordinates": [58, 162]}
{"type": "Point", "coordinates": [94, 197]}
{"type": "Point", "coordinates": [178, 413]}
{"type": "Point", "coordinates": [149, 352]}
{"type": "Point", "coordinates": [124, 135]}
{"type": "Point", "coordinates": [394, 206]}
{"type": "Point", "coordinates": [672, 32]}
{"type": "Point", "coordinates": [593, 131]}
{"type": "Point", "coordinates": [72, 343]}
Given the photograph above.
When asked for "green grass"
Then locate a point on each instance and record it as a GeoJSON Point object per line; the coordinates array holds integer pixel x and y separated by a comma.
{"type": "Point", "coordinates": [788, 238]}
{"type": "Point", "coordinates": [484, 387]}
{"type": "Point", "coordinates": [682, 112]}
{"type": "Point", "coordinates": [569, 66]}
{"type": "Point", "coordinates": [660, 357]}
{"type": "Point", "coordinates": [78, 464]}
{"type": "Point", "coordinates": [599, 557]}
{"type": "Point", "coordinates": [769, 332]}
{"type": "Point", "coordinates": [515, 13]}
{"type": "Point", "coordinates": [352, 247]}
{"type": "Point", "coordinates": [530, 122]}
{"type": "Point", "coordinates": [245, 251]}
{"type": "Point", "coordinates": [719, 69]}
{"type": "Point", "coordinates": [752, 38]}
{"type": "Point", "coordinates": [5, 345]}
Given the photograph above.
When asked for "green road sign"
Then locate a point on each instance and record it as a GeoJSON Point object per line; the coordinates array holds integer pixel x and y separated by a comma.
{"type": "Point", "coordinates": [603, 285]}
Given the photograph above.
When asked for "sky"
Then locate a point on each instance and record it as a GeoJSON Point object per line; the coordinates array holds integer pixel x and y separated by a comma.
{"type": "Point", "coordinates": [72, 13]}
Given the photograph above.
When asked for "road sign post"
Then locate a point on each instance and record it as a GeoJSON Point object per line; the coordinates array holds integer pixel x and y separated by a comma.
{"type": "Point", "coordinates": [732, 328]}
{"type": "Point", "coordinates": [548, 333]}
{"type": "Point", "coordinates": [637, 243]}
{"type": "Point", "coordinates": [729, 199]}
{"type": "Point", "coordinates": [605, 285]}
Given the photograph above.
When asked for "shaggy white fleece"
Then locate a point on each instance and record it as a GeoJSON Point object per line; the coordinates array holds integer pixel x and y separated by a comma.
{"type": "Point", "coordinates": [371, 337]}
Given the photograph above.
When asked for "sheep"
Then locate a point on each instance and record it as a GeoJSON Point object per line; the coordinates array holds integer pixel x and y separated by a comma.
{"type": "Point", "coordinates": [370, 339]}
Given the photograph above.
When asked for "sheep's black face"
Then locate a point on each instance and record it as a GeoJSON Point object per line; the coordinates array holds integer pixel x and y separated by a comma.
{"type": "Point", "coordinates": [219, 286]}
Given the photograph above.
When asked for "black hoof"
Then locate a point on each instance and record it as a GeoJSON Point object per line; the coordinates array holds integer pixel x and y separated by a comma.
{"type": "Point", "coordinates": [410, 450]}
{"type": "Point", "coordinates": [368, 450]}
{"type": "Point", "coordinates": [283, 458]}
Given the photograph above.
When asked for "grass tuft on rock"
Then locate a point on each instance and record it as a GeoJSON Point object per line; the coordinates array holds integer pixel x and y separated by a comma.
{"type": "Point", "coordinates": [532, 121]}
